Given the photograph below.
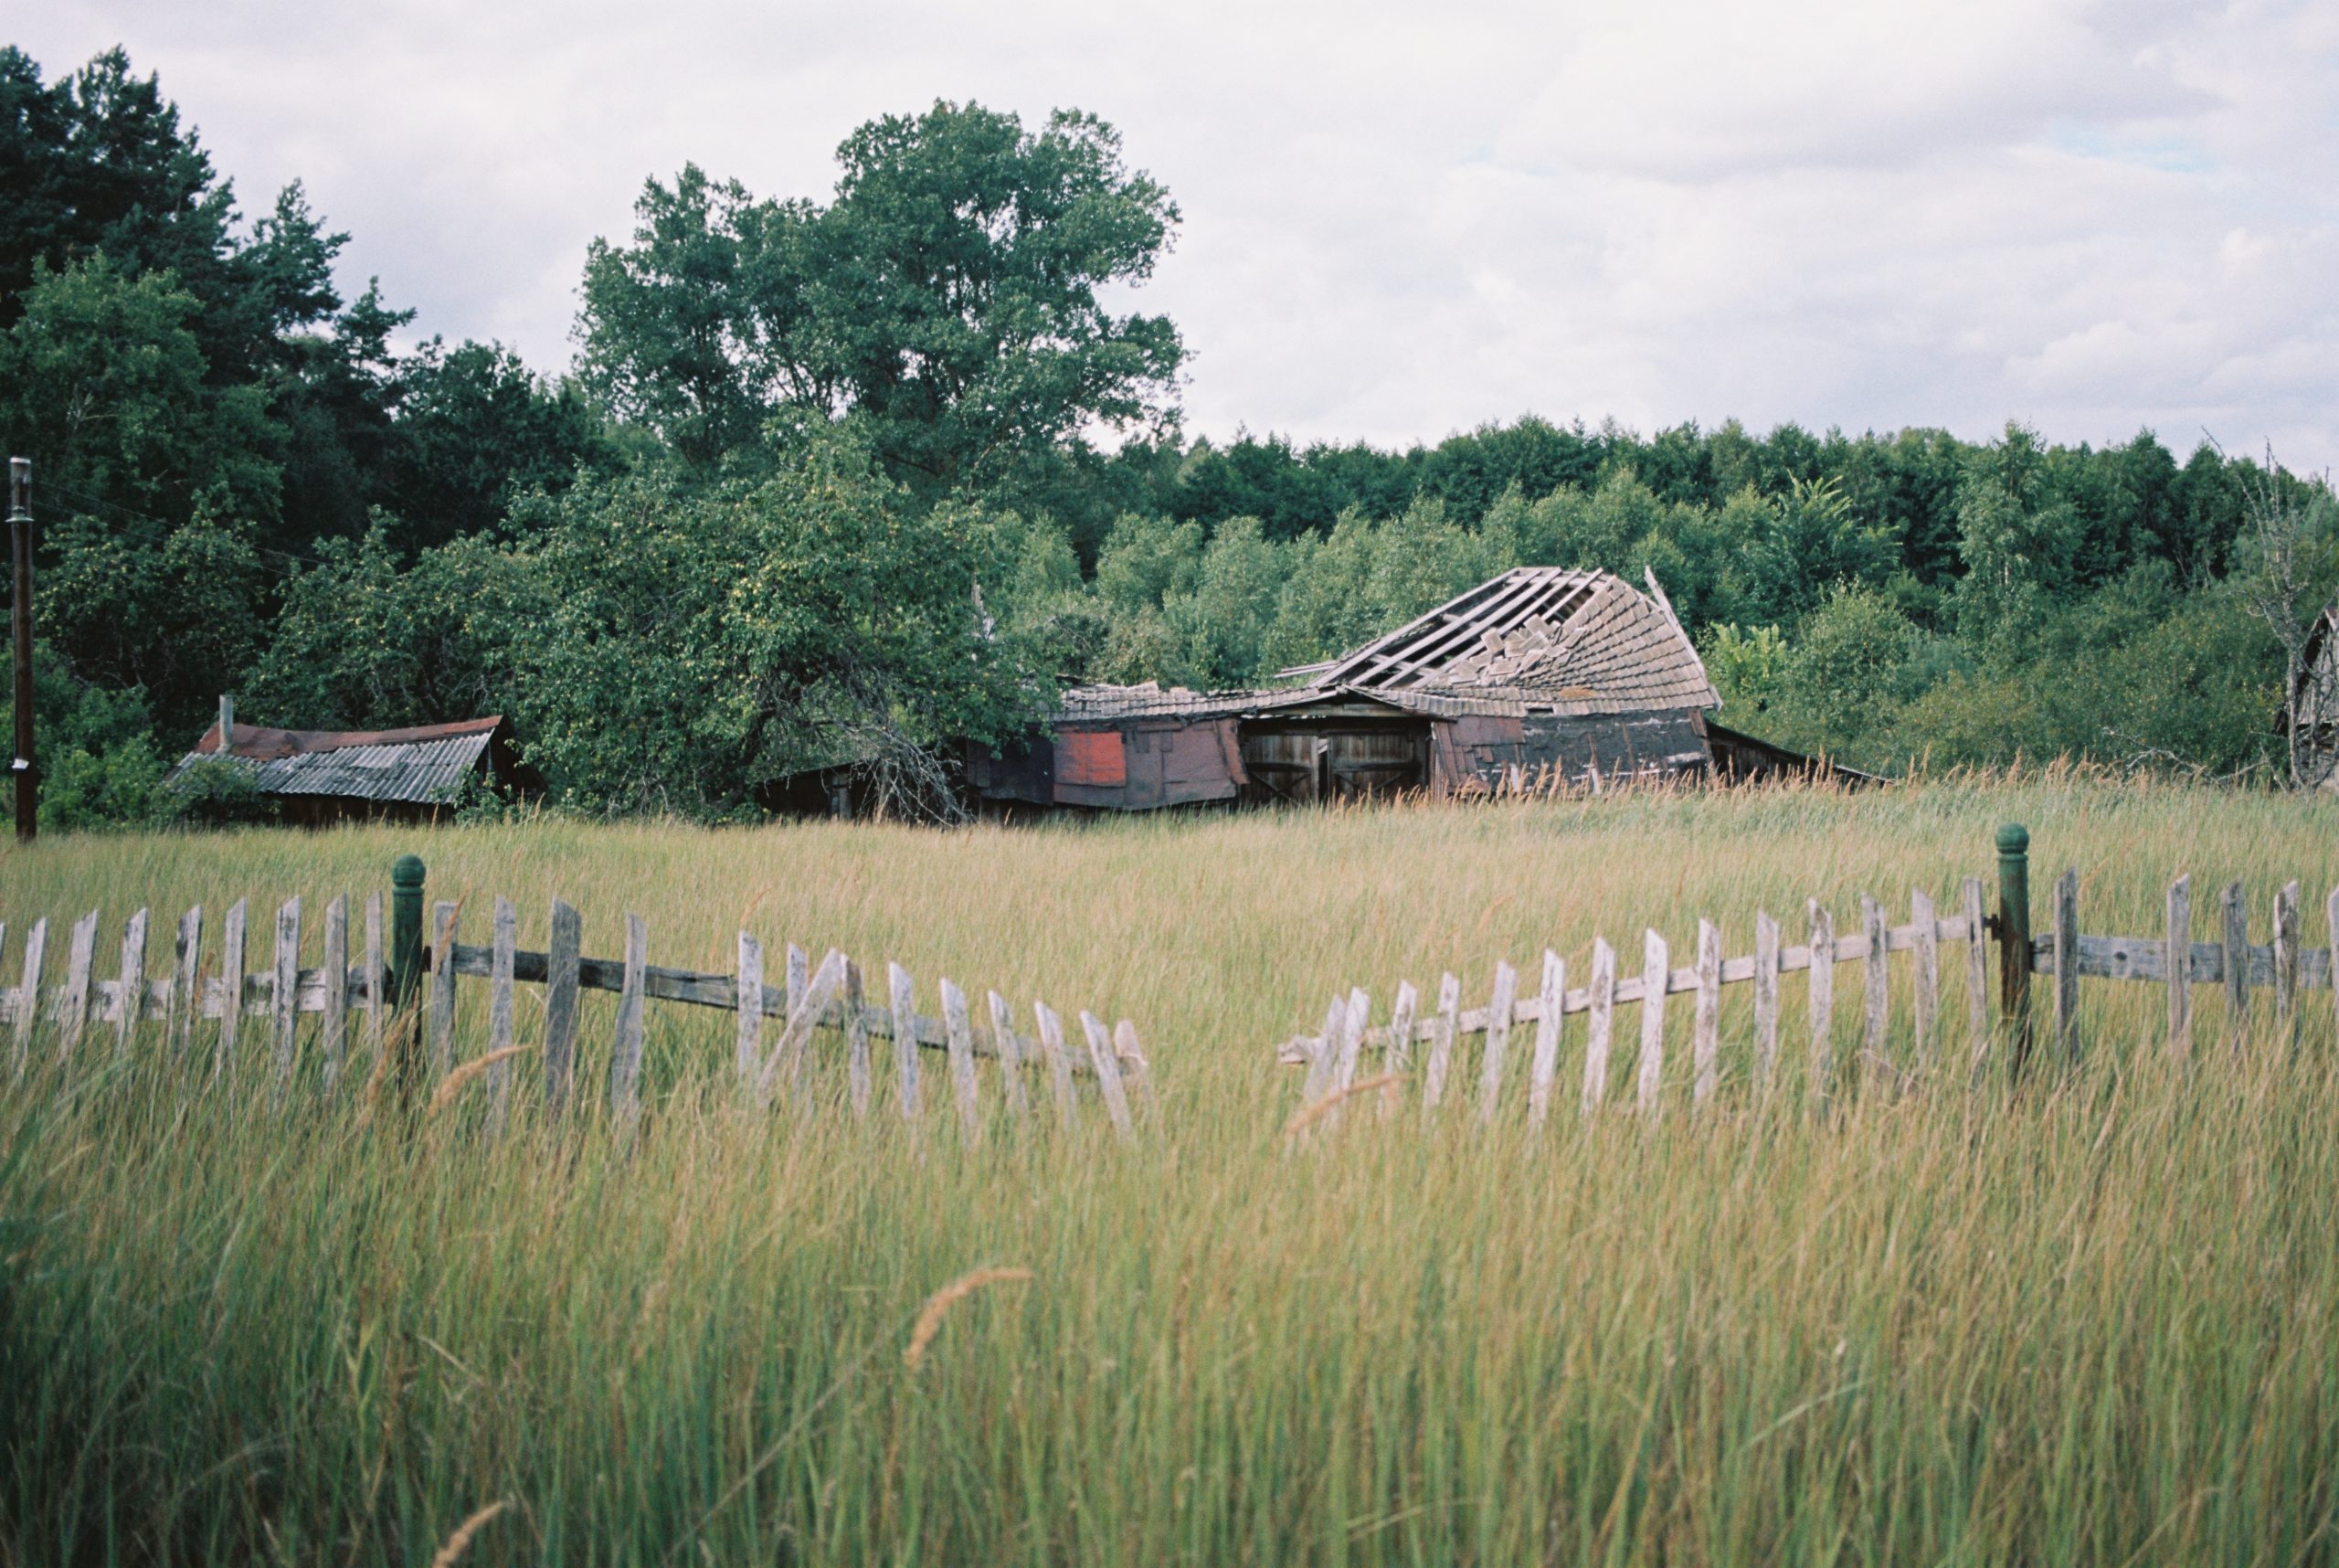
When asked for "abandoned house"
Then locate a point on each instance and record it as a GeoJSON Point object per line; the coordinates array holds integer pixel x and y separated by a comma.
{"type": "Point", "coordinates": [418, 774]}
{"type": "Point", "coordinates": [1542, 676]}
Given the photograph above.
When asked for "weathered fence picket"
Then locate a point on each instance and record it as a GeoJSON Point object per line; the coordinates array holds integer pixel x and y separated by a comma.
{"type": "Point", "coordinates": [1657, 968]}
{"type": "Point", "coordinates": [1924, 995]}
{"type": "Point", "coordinates": [1766, 996]}
{"type": "Point", "coordinates": [1705, 1052]}
{"type": "Point", "coordinates": [186, 1000]}
{"type": "Point", "coordinates": [28, 997]}
{"type": "Point", "coordinates": [1601, 1026]}
{"type": "Point", "coordinates": [444, 920]}
{"type": "Point", "coordinates": [501, 963]}
{"type": "Point", "coordinates": [1107, 1062]}
{"type": "Point", "coordinates": [904, 999]}
{"type": "Point", "coordinates": [132, 984]}
{"type": "Point", "coordinates": [625, 1049]}
{"type": "Point", "coordinates": [750, 1056]}
{"type": "Point", "coordinates": [286, 999]}
{"type": "Point", "coordinates": [562, 973]}
{"type": "Point", "coordinates": [959, 1036]}
{"type": "Point", "coordinates": [333, 1031]}
{"type": "Point", "coordinates": [2236, 956]}
{"type": "Point", "coordinates": [1550, 1015]}
{"type": "Point", "coordinates": [1821, 964]}
{"type": "Point", "coordinates": [857, 1083]}
{"type": "Point", "coordinates": [1497, 1038]}
{"type": "Point", "coordinates": [79, 956]}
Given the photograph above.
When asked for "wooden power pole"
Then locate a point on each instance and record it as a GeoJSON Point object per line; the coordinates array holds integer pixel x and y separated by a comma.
{"type": "Point", "coordinates": [22, 768]}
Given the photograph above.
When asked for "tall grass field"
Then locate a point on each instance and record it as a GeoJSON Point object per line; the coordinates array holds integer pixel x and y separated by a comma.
{"type": "Point", "coordinates": [2091, 1318]}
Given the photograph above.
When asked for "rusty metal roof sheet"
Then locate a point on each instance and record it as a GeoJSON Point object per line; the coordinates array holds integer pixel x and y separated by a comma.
{"type": "Point", "coordinates": [425, 765]}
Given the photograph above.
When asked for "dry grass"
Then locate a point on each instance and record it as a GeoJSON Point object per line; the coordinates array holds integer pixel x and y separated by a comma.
{"type": "Point", "coordinates": [2092, 1321]}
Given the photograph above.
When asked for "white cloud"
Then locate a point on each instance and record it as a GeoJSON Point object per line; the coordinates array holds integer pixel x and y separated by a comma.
{"type": "Point", "coordinates": [1403, 220]}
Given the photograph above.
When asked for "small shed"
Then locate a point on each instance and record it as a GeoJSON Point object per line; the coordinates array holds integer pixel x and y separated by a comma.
{"type": "Point", "coordinates": [416, 774]}
{"type": "Point", "coordinates": [1539, 676]}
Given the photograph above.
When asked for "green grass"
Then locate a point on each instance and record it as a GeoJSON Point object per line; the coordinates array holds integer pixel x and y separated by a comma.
{"type": "Point", "coordinates": [2089, 1322]}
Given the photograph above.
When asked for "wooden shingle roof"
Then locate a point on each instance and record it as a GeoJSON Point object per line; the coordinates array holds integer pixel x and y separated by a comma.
{"type": "Point", "coordinates": [1551, 637]}
{"type": "Point", "coordinates": [1542, 638]}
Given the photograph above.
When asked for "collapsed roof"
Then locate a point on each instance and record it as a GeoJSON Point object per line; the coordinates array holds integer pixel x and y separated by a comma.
{"type": "Point", "coordinates": [1534, 639]}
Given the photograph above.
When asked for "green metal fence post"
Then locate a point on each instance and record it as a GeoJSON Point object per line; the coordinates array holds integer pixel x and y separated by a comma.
{"type": "Point", "coordinates": [2014, 941]}
{"type": "Point", "coordinates": [405, 928]}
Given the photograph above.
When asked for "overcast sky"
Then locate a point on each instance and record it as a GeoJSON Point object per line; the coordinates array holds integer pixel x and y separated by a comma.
{"type": "Point", "coordinates": [1401, 221]}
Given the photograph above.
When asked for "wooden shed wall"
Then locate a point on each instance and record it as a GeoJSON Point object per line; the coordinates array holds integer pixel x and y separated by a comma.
{"type": "Point", "coordinates": [1484, 752]}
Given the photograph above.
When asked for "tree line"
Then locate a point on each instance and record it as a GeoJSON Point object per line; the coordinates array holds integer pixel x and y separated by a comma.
{"type": "Point", "coordinates": [852, 480]}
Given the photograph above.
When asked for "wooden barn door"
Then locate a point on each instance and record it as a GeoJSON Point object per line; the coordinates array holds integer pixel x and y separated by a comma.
{"type": "Point", "coordinates": [1301, 764]}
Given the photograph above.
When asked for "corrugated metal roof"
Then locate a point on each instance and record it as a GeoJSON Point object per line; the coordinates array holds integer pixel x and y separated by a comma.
{"type": "Point", "coordinates": [423, 772]}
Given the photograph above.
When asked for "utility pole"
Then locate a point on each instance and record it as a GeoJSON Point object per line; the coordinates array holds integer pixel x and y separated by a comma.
{"type": "Point", "coordinates": [22, 768]}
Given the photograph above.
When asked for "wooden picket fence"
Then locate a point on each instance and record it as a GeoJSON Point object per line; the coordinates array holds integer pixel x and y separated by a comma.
{"type": "Point", "coordinates": [1349, 1042]}
{"type": "Point", "coordinates": [355, 1003]}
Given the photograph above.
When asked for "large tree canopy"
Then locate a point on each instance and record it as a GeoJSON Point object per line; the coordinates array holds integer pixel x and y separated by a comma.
{"type": "Point", "coordinates": [949, 300]}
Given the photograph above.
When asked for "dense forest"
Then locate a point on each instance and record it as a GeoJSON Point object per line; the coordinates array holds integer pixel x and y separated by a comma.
{"type": "Point", "coordinates": [854, 479]}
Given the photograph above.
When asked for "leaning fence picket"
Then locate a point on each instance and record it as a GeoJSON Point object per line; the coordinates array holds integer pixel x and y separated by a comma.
{"type": "Point", "coordinates": [1010, 1056]}
{"type": "Point", "coordinates": [134, 984]}
{"type": "Point", "coordinates": [1137, 1072]}
{"type": "Point", "coordinates": [1398, 1058]}
{"type": "Point", "coordinates": [1550, 1015]}
{"type": "Point", "coordinates": [28, 998]}
{"type": "Point", "coordinates": [1600, 1025]}
{"type": "Point", "coordinates": [805, 1004]}
{"type": "Point", "coordinates": [1108, 1073]}
{"type": "Point", "coordinates": [1499, 1011]}
{"type": "Point", "coordinates": [1325, 1063]}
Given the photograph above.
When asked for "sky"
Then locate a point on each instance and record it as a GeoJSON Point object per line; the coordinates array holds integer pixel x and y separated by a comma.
{"type": "Point", "coordinates": [1402, 221]}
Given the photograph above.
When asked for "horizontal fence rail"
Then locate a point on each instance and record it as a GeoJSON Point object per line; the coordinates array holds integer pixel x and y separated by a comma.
{"type": "Point", "coordinates": [1434, 1032]}
{"type": "Point", "coordinates": [357, 1000]}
